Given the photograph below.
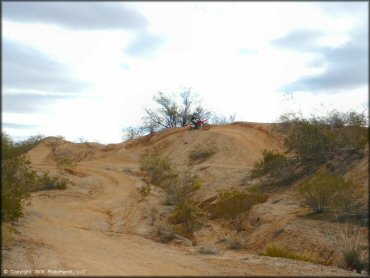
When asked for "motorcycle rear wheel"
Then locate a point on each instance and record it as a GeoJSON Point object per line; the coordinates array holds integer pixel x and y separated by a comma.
{"type": "Point", "coordinates": [206, 126]}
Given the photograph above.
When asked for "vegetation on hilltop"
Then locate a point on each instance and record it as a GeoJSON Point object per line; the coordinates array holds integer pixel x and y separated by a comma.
{"type": "Point", "coordinates": [18, 179]}
{"type": "Point", "coordinates": [320, 151]}
{"type": "Point", "coordinates": [173, 111]}
{"type": "Point", "coordinates": [333, 140]}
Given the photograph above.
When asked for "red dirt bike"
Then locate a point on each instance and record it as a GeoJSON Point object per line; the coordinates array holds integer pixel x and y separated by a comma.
{"type": "Point", "coordinates": [201, 124]}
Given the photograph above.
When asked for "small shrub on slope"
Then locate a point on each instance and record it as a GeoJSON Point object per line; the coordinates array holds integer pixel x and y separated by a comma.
{"type": "Point", "coordinates": [188, 217]}
{"type": "Point", "coordinates": [231, 204]}
{"type": "Point", "coordinates": [323, 191]}
{"type": "Point", "coordinates": [276, 167]}
{"type": "Point", "coordinates": [275, 251]}
{"type": "Point", "coordinates": [182, 187]}
{"type": "Point", "coordinates": [346, 239]}
{"type": "Point", "coordinates": [201, 153]}
{"type": "Point", "coordinates": [158, 168]}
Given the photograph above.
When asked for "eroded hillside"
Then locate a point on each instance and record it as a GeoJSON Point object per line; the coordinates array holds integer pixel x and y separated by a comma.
{"type": "Point", "coordinates": [101, 223]}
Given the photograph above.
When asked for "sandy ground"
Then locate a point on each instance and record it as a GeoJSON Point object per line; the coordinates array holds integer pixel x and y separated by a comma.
{"type": "Point", "coordinates": [95, 227]}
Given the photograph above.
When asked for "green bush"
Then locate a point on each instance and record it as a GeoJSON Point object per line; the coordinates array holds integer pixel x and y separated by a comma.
{"type": "Point", "coordinates": [159, 169]}
{"type": "Point", "coordinates": [182, 187]}
{"type": "Point", "coordinates": [231, 204]}
{"type": "Point", "coordinates": [335, 139]}
{"type": "Point", "coordinates": [318, 139]}
{"type": "Point", "coordinates": [153, 215]}
{"type": "Point", "coordinates": [7, 232]}
{"type": "Point", "coordinates": [164, 233]}
{"type": "Point", "coordinates": [323, 191]}
{"type": "Point", "coordinates": [200, 153]}
{"type": "Point", "coordinates": [189, 217]}
{"type": "Point", "coordinates": [275, 251]}
{"type": "Point", "coordinates": [207, 250]}
{"type": "Point", "coordinates": [49, 182]}
{"type": "Point", "coordinates": [345, 237]}
{"type": "Point", "coordinates": [276, 167]}
{"type": "Point", "coordinates": [18, 179]}
{"type": "Point", "coordinates": [29, 143]}
{"type": "Point", "coordinates": [145, 190]}
{"type": "Point", "coordinates": [352, 260]}
{"type": "Point", "coordinates": [66, 164]}
{"type": "Point", "coordinates": [234, 244]}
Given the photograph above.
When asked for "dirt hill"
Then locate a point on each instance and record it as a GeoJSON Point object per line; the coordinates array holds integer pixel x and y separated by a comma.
{"type": "Point", "coordinates": [100, 223]}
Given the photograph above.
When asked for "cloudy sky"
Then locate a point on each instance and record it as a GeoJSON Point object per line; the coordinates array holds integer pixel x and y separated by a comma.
{"type": "Point", "coordinates": [88, 69]}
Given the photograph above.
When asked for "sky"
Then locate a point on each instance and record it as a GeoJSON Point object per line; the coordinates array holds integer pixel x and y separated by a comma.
{"type": "Point", "coordinates": [88, 69]}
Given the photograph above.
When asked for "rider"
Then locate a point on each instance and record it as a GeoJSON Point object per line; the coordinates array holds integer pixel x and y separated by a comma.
{"type": "Point", "coordinates": [195, 119]}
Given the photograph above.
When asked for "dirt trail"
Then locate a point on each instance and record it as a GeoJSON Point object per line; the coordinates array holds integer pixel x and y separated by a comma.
{"type": "Point", "coordinates": [92, 226]}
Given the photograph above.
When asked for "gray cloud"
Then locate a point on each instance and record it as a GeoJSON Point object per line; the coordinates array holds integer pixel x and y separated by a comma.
{"type": "Point", "coordinates": [346, 66]}
{"type": "Point", "coordinates": [19, 126]}
{"type": "Point", "coordinates": [346, 69]}
{"type": "Point", "coordinates": [27, 68]}
{"type": "Point", "coordinates": [76, 15]}
{"type": "Point", "coordinates": [336, 9]}
{"type": "Point", "coordinates": [28, 103]}
{"type": "Point", "coordinates": [300, 40]}
{"type": "Point", "coordinates": [144, 45]}
{"type": "Point", "coordinates": [89, 16]}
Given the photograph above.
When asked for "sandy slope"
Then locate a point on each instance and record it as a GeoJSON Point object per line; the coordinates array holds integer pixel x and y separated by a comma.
{"type": "Point", "coordinates": [99, 224]}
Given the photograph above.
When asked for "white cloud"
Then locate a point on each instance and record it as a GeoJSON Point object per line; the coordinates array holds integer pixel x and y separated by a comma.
{"type": "Point", "coordinates": [222, 50]}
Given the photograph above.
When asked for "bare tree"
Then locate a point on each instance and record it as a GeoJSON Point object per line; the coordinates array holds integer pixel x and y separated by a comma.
{"type": "Point", "coordinates": [172, 113]}
{"type": "Point", "coordinates": [166, 116]}
{"type": "Point", "coordinates": [185, 111]}
{"type": "Point", "coordinates": [222, 119]}
{"type": "Point", "coordinates": [131, 132]}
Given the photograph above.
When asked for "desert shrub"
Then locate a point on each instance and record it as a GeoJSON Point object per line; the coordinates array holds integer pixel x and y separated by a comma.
{"type": "Point", "coordinates": [131, 133]}
{"type": "Point", "coordinates": [275, 251]}
{"type": "Point", "coordinates": [159, 169]}
{"type": "Point", "coordinates": [255, 190]}
{"type": "Point", "coordinates": [11, 203]}
{"type": "Point", "coordinates": [234, 244]}
{"type": "Point", "coordinates": [276, 167]}
{"type": "Point", "coordinates": [352, 260]}
{"type": "Point", "coordinates": [245, 179]}
{"type": "Point", "coordinates": [319, 139]}
{"type": "Point", "coordinates": [153, 215]}
{"type": "Point", "coordinates": [208, 250]}
{"type": "Point", "coordinates": [145, 190]}
{"type": "Point", "coordinates": [200, 153]}
{"type": "Point", "coordinates": [65, 164]}
{"type": "Point", "coordinates": [324, 190]}
{"type": "Point", "coordinates": [335, 138]}
{"type": "Point", "coordinates": [232, 204]}
{"type": "Point", "coordinates": [221, 240]}
{"type": "Point", "coordinates": [29, 143]}
{"type": "Point", "coordinates": [7, 232]}
{"type": "Point", "coordinates": [164, 233]}
{"type": "Point", "coordinates": [346, 239]}
{"type": "Point", "coordinates": [182, 187]}
{"type": "Point", "coordinates": [49, 182]}
{"type": "Point", "coordinates": [178, 184]}
{"type": "Point", "coordinates": [18, 179]}
{"type": "Point", "coordinates": [189, 217]}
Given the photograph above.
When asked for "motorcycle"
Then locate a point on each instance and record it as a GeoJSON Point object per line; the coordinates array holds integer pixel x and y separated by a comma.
{"type": "Point", "coordinates": [200, 124]}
